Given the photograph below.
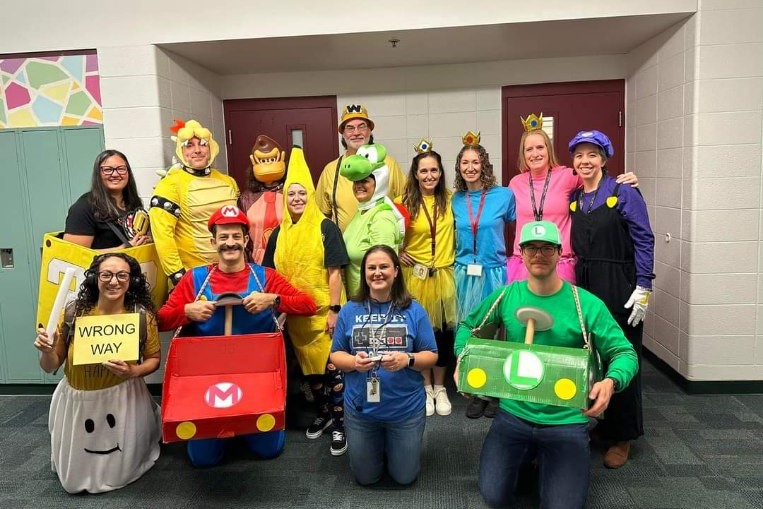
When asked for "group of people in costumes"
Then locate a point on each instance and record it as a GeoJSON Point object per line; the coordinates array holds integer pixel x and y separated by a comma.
{"type": "Point", "coordinates": [327, 243]}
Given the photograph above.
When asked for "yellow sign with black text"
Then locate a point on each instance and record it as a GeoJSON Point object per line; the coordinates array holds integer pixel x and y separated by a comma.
{"type": "Point", "coordinates": [103, 338]}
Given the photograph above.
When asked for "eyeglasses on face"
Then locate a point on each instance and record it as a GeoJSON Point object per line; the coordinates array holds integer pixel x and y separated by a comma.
{"type": "Point", "coordinates": [106, 276]}
{"type": "Point", "coordinates": [109, 170]}
{"type": "Point", "coordinates": [353, 128]}
{"type": "Point", "coordinates": [545, 250]}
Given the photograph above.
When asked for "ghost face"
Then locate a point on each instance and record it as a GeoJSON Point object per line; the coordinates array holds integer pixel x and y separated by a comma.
{"type": "Point", "coordinates": [99, 429]}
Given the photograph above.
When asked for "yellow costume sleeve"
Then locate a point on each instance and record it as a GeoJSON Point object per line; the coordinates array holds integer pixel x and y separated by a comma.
{"type": "Point", "coordinates": [396, 178]}
{"type": "Point", "coordinates": [164, 214]}
{"type": "Point", "coordinates": [324, 188]}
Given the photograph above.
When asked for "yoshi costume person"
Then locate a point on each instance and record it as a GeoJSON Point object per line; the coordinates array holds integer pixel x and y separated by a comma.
{"type": "Point", "coordinates": [378, 220]}
{"type": "Point", "coordinates": [263, 200]}
{"type": "Point", "coordinates": [185, 199]}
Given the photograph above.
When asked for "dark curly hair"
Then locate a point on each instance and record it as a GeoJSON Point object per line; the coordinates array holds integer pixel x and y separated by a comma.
{"type": "Point", "coordinates": [412, 197]}
{"type": "Point", "coordinates": [401, 299]}
{"type": "Point", "coordinates": [486, 172]}
{"type": "Point", "coordinates": [138, 292]}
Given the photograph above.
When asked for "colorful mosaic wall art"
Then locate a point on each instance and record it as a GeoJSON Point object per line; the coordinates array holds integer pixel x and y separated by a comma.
{"type": "Point", "coordinates": [50, 91]}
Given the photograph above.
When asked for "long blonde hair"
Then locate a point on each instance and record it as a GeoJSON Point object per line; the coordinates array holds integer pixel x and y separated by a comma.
{"type": "Point", "coordinates": [553, 161]}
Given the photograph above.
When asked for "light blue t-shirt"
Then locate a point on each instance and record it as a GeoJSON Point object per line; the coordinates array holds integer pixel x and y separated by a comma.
{"type": "Point", "coordinates": [499, 209]}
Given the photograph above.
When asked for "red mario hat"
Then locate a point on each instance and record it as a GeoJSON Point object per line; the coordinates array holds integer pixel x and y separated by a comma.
{"type": "Point", "coordinates": [228, 214]}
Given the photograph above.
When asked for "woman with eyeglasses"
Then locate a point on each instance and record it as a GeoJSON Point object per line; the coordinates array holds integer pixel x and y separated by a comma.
{"type": "Point", "coordinates": [111, 215]}
{"type": "Point", "coordinates": [104, 426]}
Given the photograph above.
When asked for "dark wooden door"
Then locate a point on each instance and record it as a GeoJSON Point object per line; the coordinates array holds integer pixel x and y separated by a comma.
{"type": "Point", "coordinates": [573, 107]}
{"type": "Point", "coordinates": [281, 119]}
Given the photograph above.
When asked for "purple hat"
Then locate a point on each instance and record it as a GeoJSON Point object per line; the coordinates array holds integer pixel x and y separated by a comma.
{"type": "Point", "coordinates": [597, 138]}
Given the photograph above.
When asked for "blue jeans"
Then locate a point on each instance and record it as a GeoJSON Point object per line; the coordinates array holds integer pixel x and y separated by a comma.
{"type": "Point", "coordinates": [564, 459]}
{"type": "Point", "coordinates": [207, 452]}
{"type": "Point", "coordinates": [369, 440]}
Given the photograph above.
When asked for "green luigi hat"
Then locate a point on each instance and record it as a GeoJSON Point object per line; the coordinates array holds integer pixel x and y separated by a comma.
{"type": "Point", "coordinates": [540, 231]}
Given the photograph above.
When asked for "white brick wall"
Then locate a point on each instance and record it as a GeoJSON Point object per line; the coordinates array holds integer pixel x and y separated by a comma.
{"type": "Point", "coordinates": [401, 119]}
{"type": "Point", "coordinates": [706, 318]}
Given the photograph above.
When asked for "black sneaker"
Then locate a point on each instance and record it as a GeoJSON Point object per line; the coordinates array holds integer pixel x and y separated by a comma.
{"type": "Point", "coordinates": [338, 442]}
{"type": "Point", "coordinates": [492, 408]}
{"type": "Point", "coordinates": [318, 426]}
{"type": "Point", "coordinates": [476, 407]}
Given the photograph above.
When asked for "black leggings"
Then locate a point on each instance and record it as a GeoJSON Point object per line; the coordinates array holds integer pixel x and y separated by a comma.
{"type": "Point", "coordinates": [328, 389]}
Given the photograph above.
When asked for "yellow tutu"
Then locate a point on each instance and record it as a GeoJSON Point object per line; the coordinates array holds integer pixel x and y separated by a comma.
{"type": "Point", "coordinates": [436, 294]}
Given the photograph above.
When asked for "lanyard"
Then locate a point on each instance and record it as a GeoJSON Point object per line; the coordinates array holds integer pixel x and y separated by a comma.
{"type": "Point", "coordinates": [538, 212]}
{"type": "Point", "coordinates": [432, 224]}
{"type": "Point", "coordinates": [375, 334]}
{"type": "Point", "coordinates": [475, 222]}
{"type": "Point", "coordinates": [593, 198]}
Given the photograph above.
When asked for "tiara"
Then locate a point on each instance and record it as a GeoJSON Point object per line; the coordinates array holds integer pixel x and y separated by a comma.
{"type": "Point", "coordinates": [471, 138]}
{"type": "Point", "coordinates": [532, 122]}
{"type": "Point", "coordinates": [424, 146]}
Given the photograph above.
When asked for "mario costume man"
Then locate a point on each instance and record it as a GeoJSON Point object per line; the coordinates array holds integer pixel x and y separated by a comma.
{"type": "Point", "coordinates": [184, 200]}
{"type": "Point", "coordinates": [265, 293]}
{"type": "Point", "coordinates": [263, 200]}
{"type": "Point", "coordinates": [334, 191]}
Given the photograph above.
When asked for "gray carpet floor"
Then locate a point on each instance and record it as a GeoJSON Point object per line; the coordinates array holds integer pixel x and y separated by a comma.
{"type": "Point", "coordinates": [699, 451]}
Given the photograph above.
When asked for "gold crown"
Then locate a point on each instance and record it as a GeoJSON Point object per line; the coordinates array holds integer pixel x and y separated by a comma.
{"type": "Point", "coordinates": [425, 145]}
{"type": "Point", "coordinates": [471, 138]}
{"type": "Point", "coordinates": [533, 122]}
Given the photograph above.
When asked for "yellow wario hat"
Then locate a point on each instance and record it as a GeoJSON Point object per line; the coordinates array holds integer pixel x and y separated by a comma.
{"type": "Point", "coordinates": [353, 111]}
{"type": "Point", "coordinates": [193, 129]}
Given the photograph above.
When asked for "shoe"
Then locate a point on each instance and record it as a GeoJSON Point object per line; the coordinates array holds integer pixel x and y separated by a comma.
{"type": "Point", "coordinates": [430, 400]}
{"type": "Point", "coordinates": [338, 442]}
{"type": "Point", "coordinates": [617, 455]}
{"type": "Point", "coordinates": [475, 408]}
{"type": "Point", "coordinates": [441, 401]}
{"type": "Point", "coordinates": [318, 426]}
{"type": "Point", "coordinates": [492, 408]}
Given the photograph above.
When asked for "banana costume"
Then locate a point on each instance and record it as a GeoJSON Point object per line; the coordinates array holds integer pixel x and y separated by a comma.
{"type": "Point", "coordinates": [183, 202]}
{"type": "Point", "coordinates": [299, 256]}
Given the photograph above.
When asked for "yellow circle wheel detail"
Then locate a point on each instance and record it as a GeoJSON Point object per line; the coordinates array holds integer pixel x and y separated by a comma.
{"type": "Point", "coordinates": [565, 389]}
{"type": "Point", "coordinates": [476, 377]}
{"type": "Point", "coordinates": [265, 422]}
{"type": "Point", "coordinates": [185, 430]}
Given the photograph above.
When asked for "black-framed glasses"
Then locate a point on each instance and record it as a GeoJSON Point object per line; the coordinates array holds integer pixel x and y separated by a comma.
{"type": "Point", "coordinates": [109, 170]}
{"type": "Point", "coordinates": [353, 128]}
{"type": "Point", "coordinates": [545, 250]}
{"type": "Point", "coordinates": [106, 276]}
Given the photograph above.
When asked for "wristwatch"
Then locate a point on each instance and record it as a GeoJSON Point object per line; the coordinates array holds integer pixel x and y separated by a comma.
{"type": "Point", "coordinates": [335, 308]}
{"type": "Point", "coordinates": [276, 302]}
{"type": "Point", "coordinates": [615, 384]}
{"type": "Point", "coordinates": [411, 360]}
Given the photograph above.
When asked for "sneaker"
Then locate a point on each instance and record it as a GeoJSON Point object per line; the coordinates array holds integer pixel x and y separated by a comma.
{"type": "Point", "coordinates": [442, 403]}
{"type": "Point", "coordinates": [492, 408]}
{"type": "Point", "coordinates": [338, 442]}
{"type": "Point", "coordinates": [475, 408]}
{"type": "Point", "coordinates": [318, 426]}
{"type": "Point", "coordinates": [430, 400]}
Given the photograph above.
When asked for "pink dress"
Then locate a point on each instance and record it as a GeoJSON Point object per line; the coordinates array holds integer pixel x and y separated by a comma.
{"type": "Point", "coordinates": [555, 208]}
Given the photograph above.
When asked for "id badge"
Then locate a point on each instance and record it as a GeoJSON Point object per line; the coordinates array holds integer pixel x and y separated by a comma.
{"type": "Point", "coordinates": [420, 271]}
{"type": "Point", "coordinates": [373, 390]}
{"type": "Point", "coordinates": [474, 269]}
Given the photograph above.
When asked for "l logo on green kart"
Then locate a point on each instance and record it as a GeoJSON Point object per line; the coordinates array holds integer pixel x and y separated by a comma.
{"type": "Point", "coordinates": [523, 370]}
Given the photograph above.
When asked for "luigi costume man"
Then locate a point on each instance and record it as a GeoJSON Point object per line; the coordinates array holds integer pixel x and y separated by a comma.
{"type": "Point", "coordinates": [522, 430]}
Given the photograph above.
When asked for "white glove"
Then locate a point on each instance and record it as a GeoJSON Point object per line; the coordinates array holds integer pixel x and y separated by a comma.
{"type": "Point", "coordinates": [639, 301]}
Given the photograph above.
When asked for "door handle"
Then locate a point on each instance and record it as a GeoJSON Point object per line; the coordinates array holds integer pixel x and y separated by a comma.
{"type": "Point", "coordinates": [6, 257]}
